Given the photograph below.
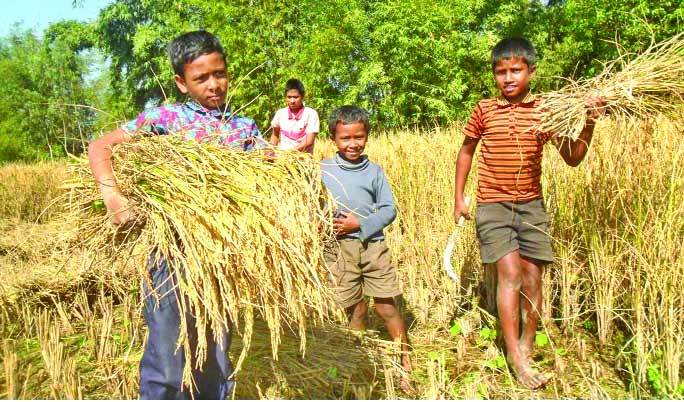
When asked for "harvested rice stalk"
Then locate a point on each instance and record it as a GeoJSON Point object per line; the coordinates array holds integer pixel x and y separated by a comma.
{"type": "Point", "coordinates": [243, 230]}
{"type": "Point", "coordinates": [647, 84]}
{"type": "Point", "coordinates": [344, 364]}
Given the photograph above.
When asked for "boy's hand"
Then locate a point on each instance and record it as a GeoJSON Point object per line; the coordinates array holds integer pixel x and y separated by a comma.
{"type": "Point", "coordinates": [347, 223]}
{"type": "Point", "coordinates": [461, 211]}
{"type": "Point", "coordinates": [117, 206]}
{"type": "Point", "coordinates": [595, 105]}
{"type": "Point", "coordinates": [270, 155]}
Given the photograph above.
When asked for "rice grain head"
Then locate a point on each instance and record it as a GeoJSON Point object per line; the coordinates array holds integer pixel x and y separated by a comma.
{"type": "Point", "coordinates": [243, 233]}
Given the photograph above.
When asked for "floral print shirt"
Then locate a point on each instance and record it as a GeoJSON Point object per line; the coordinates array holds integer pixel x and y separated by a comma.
{"type": "Point", "coordinates": [195, 122]}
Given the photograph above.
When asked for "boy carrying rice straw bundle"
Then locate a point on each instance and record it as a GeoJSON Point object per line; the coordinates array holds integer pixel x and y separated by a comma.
{"type": "Point", "coordinates": [199, 64]}
{"type": "Point", "coordinates": [511, 219]}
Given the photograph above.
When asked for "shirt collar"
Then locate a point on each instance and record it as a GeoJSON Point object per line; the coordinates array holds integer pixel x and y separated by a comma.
{"type": "Point", "coordinates": [529, 98]}
{"type": "Point", "coordinates": [295, 116]}
{"type": "Point", "coordinates": [344, 164]}
{"type": "Point", "coordinates": [218, 113]}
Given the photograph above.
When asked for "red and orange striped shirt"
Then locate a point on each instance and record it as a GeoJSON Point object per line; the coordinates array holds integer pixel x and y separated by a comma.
{"type": "Point", "coordinates": [509, 164]}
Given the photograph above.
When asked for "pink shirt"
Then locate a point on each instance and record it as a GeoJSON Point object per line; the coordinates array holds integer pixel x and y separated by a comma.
{"type": "Point", "coordinates": [294, 127]}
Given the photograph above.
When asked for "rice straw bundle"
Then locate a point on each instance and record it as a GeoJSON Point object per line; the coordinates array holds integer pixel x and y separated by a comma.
{"type": "Point", "coordinates": [243, 230]}
{"type": "Point", "coordinates": [649, 84]}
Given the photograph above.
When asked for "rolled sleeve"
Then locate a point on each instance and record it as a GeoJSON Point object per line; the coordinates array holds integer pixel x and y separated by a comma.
{"type": "Point", "coordinates": [474, 126]}
{"type": "Point", "coordinates": [149, 121]}
{"type": "Point", "coordinates": [314, 123]}
{"type": "Point", "coordinates": [275, 122]}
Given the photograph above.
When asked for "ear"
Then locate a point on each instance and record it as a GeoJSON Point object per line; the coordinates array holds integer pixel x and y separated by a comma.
{"type": "Point", "coordinates": [180, 83]}
{"type": "Point", "coordinates": [533, 72]}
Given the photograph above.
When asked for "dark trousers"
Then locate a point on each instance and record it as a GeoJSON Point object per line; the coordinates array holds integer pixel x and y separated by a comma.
{"type": "Point", "coordinates": [162, 365]}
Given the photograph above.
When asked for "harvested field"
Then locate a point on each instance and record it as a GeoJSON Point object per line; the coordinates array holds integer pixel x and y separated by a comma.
{"type": "Point", "coordinates": [613, 324]}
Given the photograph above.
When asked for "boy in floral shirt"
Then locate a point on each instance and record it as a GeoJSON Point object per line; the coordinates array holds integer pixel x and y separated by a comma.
{"type": "Point", "coordinates": [199, 63]}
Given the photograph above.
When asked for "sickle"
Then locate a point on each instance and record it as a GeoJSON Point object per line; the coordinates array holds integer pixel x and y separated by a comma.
{"type": "Point", "coordinates": [449, 250]}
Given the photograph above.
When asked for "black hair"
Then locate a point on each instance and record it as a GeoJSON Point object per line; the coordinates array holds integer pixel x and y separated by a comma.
{"type": "Point", "coordinates": [348, 114]}
{"type": "Point", "coordinates": [514, 47]}
{"type": "Point", "coordinates": [294, 83]}
{"type": "Point", "coordinates": [191, 45]}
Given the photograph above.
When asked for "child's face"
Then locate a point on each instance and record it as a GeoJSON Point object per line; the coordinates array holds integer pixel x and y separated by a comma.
{"type": "Point", "coordinates": [205, 80]}
{"type": "Point", "coordinates": [513, 77]}
{"type": "Point", "coordinates": [294, 99]}
{"type": "Point", "coordinates": [350, 140]}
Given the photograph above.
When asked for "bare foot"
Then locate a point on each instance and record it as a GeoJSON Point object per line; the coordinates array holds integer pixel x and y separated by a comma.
{"type": "Point", "coordinates": [531, 378]}
{"type": "Point", "coordinates": [405, 383]}
{"type": "Point", "coordinates": [526, 375]}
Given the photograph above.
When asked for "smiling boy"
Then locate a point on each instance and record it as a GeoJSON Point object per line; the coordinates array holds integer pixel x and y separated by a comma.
{"type": "Point", "coordinates": [199, 63]}
{"type": "Point", "coordinates": [511, 219]}
{"type": "Point", "coordinates": [360, 262]}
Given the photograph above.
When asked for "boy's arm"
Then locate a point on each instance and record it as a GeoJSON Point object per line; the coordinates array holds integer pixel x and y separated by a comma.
{"type": "Point", "coordinates": [307, 142]}
{"type": "Point", "coordinates": [574, 151]}
{"type": "Point", "coordinates": [100, 160]}
{"type": "Point", "coordinates": [374, 222]}
{"type": "Point", "coordinates": [275, 132]}
{"type": "Point", "coordinates": [313, 127]}
{"type": "Point", "coordinates": [275, 136]}
{"type": "Point", "coordinates": [463, 164]}
{"type": "Point", "coordinates": [385, 209]}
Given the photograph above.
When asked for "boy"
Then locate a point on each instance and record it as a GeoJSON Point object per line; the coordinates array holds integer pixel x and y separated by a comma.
{"type": "Point", "coordinates": [199, 64]}
{"type": "Point", "coordinates": [360, 260]}
{"type": "Point", "coordinates": [511, 219]}
{"type": "Point", "coordinates": [295, 126]}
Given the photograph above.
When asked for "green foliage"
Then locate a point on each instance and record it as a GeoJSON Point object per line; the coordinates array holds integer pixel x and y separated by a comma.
{"type": "Point", "coordinates": [437, 357]}
{"type": "Point", "coordinates": [455, 329]}
{"type": "Point", "coordinates": [488, 334]}
{"type": "Point", "coordinates": [410, 63]}
{"type": "Point", "coordinates": [98, 205]}
{"type": "Point", "coordinates": [575, 36]}
{"type": "Point", "coordinates": [655, 378]}
{"type": "Point", "coordinates": [42, 82]}
{"type": "Point", "coordinates": [540, 339]}
{"type": "Point", "coordinates": [482, 391]}
{"type": "Point", "coordinates": [333, 372]}
{"type": "Point", "coordinates": [589, 325]}
{"type": "Point", "coordinates": [414, 62]}
{"type": "Point", "coordinates": [496, 363]}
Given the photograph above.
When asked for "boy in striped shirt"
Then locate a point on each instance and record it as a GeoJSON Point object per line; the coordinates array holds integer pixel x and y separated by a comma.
{"type": "Point", "coordinates": [511, 220]}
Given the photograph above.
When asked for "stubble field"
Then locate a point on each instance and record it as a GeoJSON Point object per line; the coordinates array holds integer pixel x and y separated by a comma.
{"type": "Point", "coordinates": [613, 317]}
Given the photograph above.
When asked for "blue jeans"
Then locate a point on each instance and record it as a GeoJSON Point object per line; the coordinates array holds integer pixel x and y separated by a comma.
{"type": "Point", "coordinates": [162, 365]}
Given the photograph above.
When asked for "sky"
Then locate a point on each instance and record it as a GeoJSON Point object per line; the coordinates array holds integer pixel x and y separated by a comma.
{"type": "Point", "coordinates": [38, 14]}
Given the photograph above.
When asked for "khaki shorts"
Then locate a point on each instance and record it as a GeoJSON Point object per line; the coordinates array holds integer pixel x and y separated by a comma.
{"type": "Point", "coordinates": [361, 268]}
{"type": "Point", "coordinates": [503, 227]}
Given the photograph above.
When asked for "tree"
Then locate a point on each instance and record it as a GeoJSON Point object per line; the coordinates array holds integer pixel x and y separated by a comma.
{"type": "Point", "coordinates": [42, 80]}
{"type": "Point", "coordinates": [409, 62]}
{"type": "Point", "coordinates": [576, 36]}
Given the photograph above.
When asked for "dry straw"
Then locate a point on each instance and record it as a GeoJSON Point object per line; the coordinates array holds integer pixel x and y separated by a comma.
{"type": "Point", "coordinates": [244, 232]}
{"type": "Point", "coordinates": [640, 86]}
